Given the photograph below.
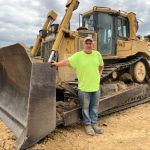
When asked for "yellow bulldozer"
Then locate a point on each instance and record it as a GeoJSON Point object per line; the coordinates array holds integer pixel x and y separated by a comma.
{"type": "Point", "coordinates": [35, 97]}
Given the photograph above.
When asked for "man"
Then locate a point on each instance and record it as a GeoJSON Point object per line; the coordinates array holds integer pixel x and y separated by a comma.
{"type": "Point", "coordinates": [89, 66]}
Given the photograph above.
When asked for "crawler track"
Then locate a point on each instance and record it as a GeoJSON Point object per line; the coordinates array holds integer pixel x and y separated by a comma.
{"type": "Point", "coordinates": [133, 96]}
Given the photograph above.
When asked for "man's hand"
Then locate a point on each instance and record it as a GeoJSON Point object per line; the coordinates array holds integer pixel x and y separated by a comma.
{"type": "Point", "coordinates": [54, 63]}
{"type": "Point", "coordinates": [60, 63]}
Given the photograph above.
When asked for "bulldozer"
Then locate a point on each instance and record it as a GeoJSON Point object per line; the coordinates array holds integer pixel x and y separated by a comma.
{"type": "Point", "coordinates": [35, 97]}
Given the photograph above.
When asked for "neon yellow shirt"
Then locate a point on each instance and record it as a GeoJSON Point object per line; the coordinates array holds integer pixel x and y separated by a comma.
{"type": "Point", "coordinates": [87, 69]}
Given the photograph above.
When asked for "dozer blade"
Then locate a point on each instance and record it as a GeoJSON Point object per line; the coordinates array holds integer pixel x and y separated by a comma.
{"type": "Point", "coordinates": [27, 96]}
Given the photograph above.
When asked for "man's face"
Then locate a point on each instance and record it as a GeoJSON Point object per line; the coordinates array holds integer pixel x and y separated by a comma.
{"type": "Point", "coordinates": [88, 45]}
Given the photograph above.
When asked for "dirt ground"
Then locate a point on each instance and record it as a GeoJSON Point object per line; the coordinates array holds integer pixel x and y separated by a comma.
{"type": "Point", "coordinates": [125, 130]}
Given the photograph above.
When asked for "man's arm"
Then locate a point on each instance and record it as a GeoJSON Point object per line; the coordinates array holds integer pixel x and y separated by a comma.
{"type": "Point", "coordinates": [100, 70]}
{"type": "Point", "coordinates": [60, 63]}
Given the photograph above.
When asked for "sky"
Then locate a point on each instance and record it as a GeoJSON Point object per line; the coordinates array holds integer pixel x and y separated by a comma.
{"type": "Point", "coordinates": [20, 20]}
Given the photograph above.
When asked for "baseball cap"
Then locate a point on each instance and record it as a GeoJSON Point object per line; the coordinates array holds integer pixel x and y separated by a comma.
{"type": "Point", "coordinates": [88, 39]}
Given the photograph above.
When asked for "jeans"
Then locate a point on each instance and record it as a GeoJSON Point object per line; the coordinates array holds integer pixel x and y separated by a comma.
{"type": "Point", "coordinates": [90, 104]}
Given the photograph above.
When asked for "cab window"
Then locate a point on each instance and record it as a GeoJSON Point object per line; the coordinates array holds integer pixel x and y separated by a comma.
{"type": "Point", "coordinates": [123, 27]}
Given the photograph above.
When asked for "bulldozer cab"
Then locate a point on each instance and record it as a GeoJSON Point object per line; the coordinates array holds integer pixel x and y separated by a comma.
{"type": "Point", "coordinates": [109, 26]}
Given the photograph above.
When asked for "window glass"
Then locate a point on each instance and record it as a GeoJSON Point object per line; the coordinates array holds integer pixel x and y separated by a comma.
{"type": "Point", "coordinates": [88, 22]}
{"type": "Point", "coordinates": [105, 30]}
{"type": "Point", "coordinates": [122, 26]}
